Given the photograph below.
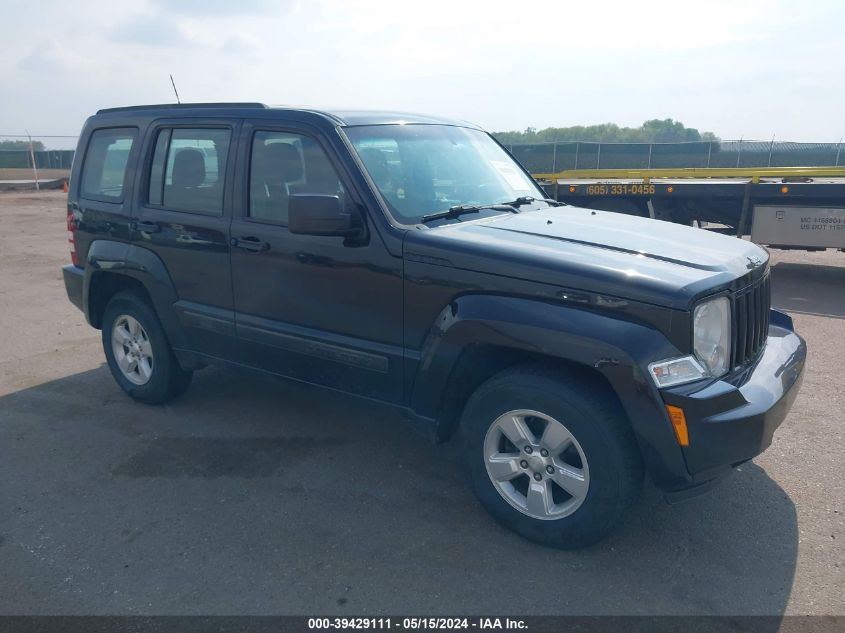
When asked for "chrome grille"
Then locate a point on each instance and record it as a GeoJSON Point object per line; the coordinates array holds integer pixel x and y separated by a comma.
{"type": "Point", "coordinates": [750, 321]}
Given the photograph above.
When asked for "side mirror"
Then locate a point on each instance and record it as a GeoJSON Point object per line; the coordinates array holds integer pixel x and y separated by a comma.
{"type": "Point", "coordinates": [313, 214]}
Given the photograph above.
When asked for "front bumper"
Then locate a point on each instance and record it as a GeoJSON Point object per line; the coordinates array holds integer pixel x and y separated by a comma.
{"type": "Point", "coordinates": [733, 419]}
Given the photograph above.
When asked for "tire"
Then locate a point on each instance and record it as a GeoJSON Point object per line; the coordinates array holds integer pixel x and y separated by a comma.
{"type": "Point", "coordinates": [150, 372]}
{"type": "Point", "coordinates": [600, 464]}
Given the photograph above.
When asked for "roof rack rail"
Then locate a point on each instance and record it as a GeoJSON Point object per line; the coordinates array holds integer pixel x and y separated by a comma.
{"type": "Point", "coordinates": [167, 106]}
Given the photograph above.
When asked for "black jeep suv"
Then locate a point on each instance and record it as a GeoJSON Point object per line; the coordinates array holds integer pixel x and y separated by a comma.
{"type": "Point", "coordinates": [410, 260]}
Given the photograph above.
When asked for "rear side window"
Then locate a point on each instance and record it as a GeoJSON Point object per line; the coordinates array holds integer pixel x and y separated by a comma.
{"type": "Point", "coordinates": [189, 169]}
{"type": "Point", "coordinates": [104, 167]}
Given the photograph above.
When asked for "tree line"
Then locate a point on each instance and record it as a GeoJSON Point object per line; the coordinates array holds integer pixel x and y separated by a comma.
{"type": "Point", "coordinates": [38, 146]}
{"type": "Point", "coordinates": [651, 131]}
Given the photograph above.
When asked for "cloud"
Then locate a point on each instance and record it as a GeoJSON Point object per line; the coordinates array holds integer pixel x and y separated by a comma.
{"type": "Point", "coordinates": [241, 44]}
{"type": "Point", "coordinates": [610, 60]}
{"type": "Point", "coordinates": [200, 8]}
{"type": "Point", "coordinates": [45, 57]}
{"type": "Point", "coordinates": [155, 31]}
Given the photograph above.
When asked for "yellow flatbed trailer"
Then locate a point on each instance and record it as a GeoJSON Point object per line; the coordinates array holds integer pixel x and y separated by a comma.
{"type": "Point", "coordinates": [787, 207]}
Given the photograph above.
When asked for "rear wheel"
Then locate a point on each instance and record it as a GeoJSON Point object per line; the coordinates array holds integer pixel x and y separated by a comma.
{"type": "Point", "coordinates": [550, 455]}
{"type": "Point", "coordinates": [137, 350]}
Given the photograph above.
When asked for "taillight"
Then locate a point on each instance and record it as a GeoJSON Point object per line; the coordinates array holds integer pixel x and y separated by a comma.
{"type": "Point", "coordinates": [71, 236]}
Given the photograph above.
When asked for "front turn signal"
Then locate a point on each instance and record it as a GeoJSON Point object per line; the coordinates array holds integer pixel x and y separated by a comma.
{"type": "Point", "coordinates": [679, 423]}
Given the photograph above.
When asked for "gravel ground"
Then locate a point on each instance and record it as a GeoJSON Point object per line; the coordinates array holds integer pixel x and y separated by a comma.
{"type": "Point", "coordinates": [7, 173]}
{"type": "Point", "coordinates": [253, 496]}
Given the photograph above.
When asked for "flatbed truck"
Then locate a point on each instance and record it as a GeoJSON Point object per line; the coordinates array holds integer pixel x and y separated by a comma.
{"type": "Point", "coordinates": [781, 207]}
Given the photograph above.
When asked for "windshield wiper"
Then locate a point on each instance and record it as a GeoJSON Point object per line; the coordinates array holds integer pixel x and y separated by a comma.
{"type": "Point", "coordinates": [453, 212]}
{"type": "Point", "coordinates": [529, 199]}
{"type": "Point", "coordinates": [520, 201]}
{"type": "Point", "coordinates": [512, 207]}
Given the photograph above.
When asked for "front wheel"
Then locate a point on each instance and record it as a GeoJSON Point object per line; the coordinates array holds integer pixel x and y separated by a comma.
{"type": "Point", "coordinates": [550, 455]}
{"type": "Point", "coordinates": [138, 352]}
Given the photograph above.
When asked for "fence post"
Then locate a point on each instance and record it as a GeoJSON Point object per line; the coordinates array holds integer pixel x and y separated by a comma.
{"type": "Point", "coordinates": [650, 145]}
{"type": "Point", "coordinates": [577, 145]}
{"type": "Point", "coordinates": [709, 151]}
{"type": "Point", "coordinates": [554, 158]}
{"type": "Point", "coordinates": [771, 147]}
{"type": "Point", "coordinates": [739, 153]}
{"type": "Point", "coordinates": [32, 156]}
{"type": "Point", "coordinates": [598, 158]}
{"type": "Point", "coordinates": [838, 149]}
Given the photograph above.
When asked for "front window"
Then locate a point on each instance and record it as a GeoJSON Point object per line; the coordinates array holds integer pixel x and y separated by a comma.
{"type": "Point", "coordinates": [425, 169]}
{"type": "Point", "coordinates": [284, 164]}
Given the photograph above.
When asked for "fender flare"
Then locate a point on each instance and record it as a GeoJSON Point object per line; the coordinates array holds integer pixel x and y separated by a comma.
{"type": "Point", "coordinates": [614, 346]}
{"type": "Point", "coordinates": [142, 265]}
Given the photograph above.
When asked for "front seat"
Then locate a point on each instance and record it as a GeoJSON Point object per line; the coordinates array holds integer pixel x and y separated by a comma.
{"type": "Point", "coordinates": [275, 166]}
{"type": "Point", "coordinates": [188, 175]}
{"type": "Point", "coordinates": [320, 175]}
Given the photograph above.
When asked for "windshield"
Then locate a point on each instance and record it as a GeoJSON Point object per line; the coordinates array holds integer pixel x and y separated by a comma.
{"type": "Point", "coordinates": [425, 169]}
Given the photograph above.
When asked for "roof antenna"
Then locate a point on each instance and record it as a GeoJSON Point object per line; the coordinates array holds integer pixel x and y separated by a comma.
{"type": "Point", "coordinates": [174, 89]}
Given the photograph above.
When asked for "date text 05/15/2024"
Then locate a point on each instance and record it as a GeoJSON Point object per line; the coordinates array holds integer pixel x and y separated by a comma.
{"type": "Point", "coordinates": [413, 624]}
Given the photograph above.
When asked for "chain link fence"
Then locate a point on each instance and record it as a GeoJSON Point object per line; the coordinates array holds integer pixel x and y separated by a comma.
{"type": "Point", "coordinates": [57, 154]}
{"type": "Point", "coordinates": [44, 159]}
{"type": "Point", "coordinates": [48, 152]}
{"type": "Point", "coordinates": [555, 157]}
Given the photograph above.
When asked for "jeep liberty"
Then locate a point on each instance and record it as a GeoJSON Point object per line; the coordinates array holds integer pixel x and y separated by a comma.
{"type": "Point", "coordinates": [410, 260]}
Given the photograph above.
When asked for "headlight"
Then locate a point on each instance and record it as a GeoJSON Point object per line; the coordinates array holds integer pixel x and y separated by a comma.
{"type": "Point", "coordinates": [711, 344]}
{"type": "Point", "coordinates": [712, 335]}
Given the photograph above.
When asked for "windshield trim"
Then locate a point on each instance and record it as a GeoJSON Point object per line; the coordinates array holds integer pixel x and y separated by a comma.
{"type": "Point", "coordinates": [394, 219]}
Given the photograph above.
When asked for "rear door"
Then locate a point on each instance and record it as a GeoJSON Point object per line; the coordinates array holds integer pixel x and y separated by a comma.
{"type": "Point", "coordinates": [327, 310]}
{"type": "Point", "coordinates": [183, 216]}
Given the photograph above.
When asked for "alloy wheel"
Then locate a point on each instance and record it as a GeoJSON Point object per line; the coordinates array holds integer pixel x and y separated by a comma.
{"type": "Point", "coordinates": [536, 464]}
{"type": "Point", "coordinates": [132, 349]}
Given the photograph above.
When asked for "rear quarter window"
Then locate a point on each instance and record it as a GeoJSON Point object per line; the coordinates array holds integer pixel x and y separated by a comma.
{"type": "Point", "coordinates": [104, 166]}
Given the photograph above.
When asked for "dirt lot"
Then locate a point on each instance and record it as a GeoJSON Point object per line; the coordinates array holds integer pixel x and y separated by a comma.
{"type": "Point", "coordinates": [26, 174]}
{"type": "Point", "coordinates": [251, 495]}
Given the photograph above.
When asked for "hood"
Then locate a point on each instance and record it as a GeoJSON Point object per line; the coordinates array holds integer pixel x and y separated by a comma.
{"type": "Point", "coordinates": [599, 251]}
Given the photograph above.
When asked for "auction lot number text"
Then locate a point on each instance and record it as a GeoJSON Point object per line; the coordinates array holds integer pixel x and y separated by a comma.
{"type": "Point", "coordinates": [417, 624]}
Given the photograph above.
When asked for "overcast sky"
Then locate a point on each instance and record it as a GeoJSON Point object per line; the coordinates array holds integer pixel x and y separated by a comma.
{"type": "Point", "coordinates": [739, 68]}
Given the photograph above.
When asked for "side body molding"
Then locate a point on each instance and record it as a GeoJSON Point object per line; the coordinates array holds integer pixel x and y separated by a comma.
{"type": "Point", "coordinates": [141, 264]}
{"type": "Point", "coordinates": [615, 348]}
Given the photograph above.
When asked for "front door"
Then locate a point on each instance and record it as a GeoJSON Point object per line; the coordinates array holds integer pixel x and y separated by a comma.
{"type": "Point", "coordinates": [327, 310]}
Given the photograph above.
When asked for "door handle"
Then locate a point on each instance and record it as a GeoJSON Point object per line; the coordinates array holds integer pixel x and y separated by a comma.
{"type": "Point", "coordinates": [146, 227]}
{"type": "Point", "coordinates": [250, 243]}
